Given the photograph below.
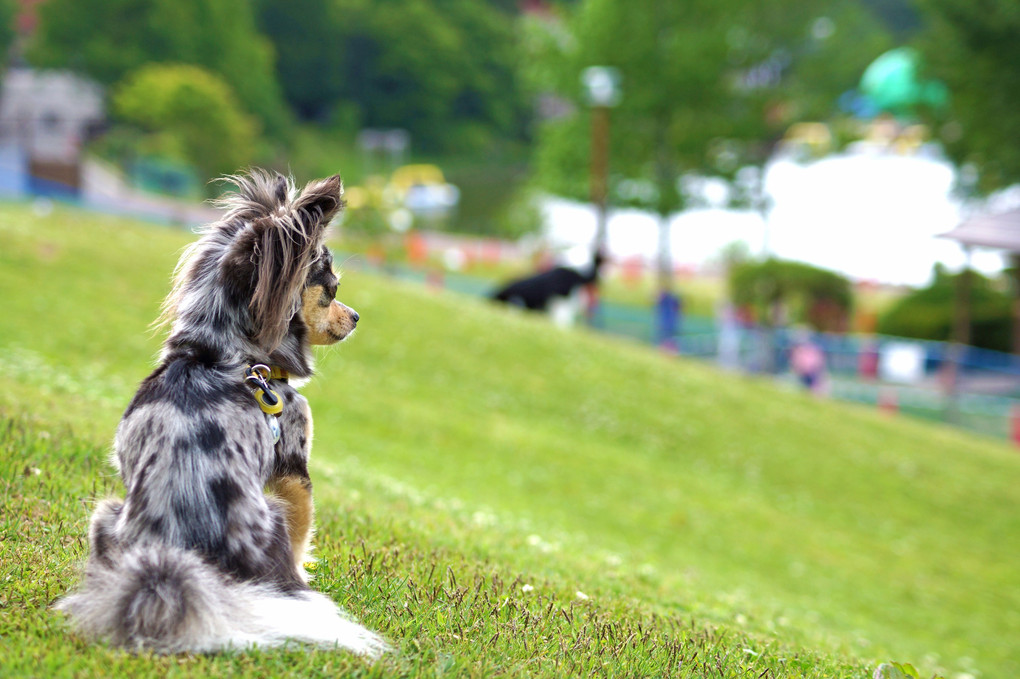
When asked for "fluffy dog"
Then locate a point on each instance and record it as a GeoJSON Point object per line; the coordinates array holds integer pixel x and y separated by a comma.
{"type": "Point", "coordinates": [205, 552]}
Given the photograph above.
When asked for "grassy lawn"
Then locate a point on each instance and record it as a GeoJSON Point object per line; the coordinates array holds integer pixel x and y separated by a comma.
{"type": "Point", "coordinates": [502, 498]}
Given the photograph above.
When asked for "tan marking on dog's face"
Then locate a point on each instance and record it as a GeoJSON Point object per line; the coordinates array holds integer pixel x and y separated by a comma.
{"type": "Point", "coordinates": [328, 320]}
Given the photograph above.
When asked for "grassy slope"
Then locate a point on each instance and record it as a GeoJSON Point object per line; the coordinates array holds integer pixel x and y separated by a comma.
{"type": "Point", "coordinates": [455, 437]}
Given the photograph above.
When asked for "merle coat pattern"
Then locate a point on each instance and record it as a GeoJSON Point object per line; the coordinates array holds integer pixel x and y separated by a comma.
{"type": "Point", "coordinates": [205, 552]}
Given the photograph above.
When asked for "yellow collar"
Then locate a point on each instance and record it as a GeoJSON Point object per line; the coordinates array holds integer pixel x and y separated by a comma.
{"type": "Point", "coordinates": [278, 373]}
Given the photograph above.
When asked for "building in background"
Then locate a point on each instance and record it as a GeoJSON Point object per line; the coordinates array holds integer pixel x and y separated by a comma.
{"type": "Point", "coordinates": [45, 119]}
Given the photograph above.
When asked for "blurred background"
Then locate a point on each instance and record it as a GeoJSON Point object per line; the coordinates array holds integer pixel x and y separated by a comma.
{"type": "Point", "coordinates": [808, 213]}
{"type": "Point", "coordinates": [821, 190]}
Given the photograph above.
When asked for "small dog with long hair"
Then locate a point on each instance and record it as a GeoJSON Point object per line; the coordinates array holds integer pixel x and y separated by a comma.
{"type": "Point", "coordinates": [206, 550]}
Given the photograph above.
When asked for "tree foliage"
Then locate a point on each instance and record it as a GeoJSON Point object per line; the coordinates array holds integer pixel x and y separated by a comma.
{"type": "Point", "coordinates": [107, 39]}
{"type": "Point", "coordinates": [8, 11]}
{"type": "Point", "coordinates": [901, 16]}
{"type": "Point", "coordinates": [809, 294]}
{"type": "Point", "coordinates": [928, 313]}
{"type": "Point", "coordinates": [707, 86]}
{"type": "Point", "coordinates": [188, 114]}
{"type": "Point", "coordinates": [973, 48]}
{"type": "Point", "coordinates": [308, 58]}
{"type": "Point", "coordinates": [443, 69]}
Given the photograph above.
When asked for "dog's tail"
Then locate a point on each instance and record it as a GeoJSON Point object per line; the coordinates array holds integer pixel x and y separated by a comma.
{"type": "Point", "coordinates": [168, 600]}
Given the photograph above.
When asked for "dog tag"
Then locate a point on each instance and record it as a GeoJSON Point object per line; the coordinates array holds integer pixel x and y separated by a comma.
{"type": "Point", "coordinates": [274, 427]}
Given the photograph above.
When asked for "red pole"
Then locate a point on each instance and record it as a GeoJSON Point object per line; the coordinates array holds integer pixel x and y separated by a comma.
{"type": "Point", "coordinates": [1014, 422]}
{"type": "Point", "coordinates": [887, 401]}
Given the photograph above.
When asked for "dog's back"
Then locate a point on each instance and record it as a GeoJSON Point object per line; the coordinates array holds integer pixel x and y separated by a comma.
{"type": "Point", "coordinates": [193, 453]}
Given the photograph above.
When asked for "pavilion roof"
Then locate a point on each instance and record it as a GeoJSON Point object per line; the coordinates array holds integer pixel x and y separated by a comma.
{"type": "Point", "coordinates": [1000, 231]}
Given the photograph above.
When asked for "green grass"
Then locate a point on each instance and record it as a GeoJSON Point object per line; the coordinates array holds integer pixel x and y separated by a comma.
{"type": "Point", "coordinates": [475, 470]}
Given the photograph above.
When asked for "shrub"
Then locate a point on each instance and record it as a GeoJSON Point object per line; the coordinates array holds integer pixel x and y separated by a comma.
{"type": "Point", "coordinates": [188, 114]}
{"type": "Point", "coordinates": [811, 295]}
{"type": "Point", "coordinates": [928, 313]}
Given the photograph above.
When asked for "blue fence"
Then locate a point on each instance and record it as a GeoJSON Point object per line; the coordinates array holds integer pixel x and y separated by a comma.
{"type": "Point", "coordinates": [968, 387]}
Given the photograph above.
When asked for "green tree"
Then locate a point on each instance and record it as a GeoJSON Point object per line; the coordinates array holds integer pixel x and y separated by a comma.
{"type": "Point", "coordinates": [188, 114]}
{"type": "Point", "coordinates": [8, 10]}
{"type": "Point", "coordinates": [901, 16]}
{"type": "Point", "coordinates": [808, 294]}
{"type": "Point", "coordinates": [928, 313]}
{"type": "Point", "coordinates": [672, 60]}
{"type": "Point", "coordinates": [442, 69]}
{"type": "Point", "coordinates": [709, 86]}
{"type": "Point", "coordinates": [828, 46]}
{"type": "Point", "coordinates": [309, 44]}
{"type": "Point", "coordinates": [106, 39]}
{"type": "Point", "coordinates": [973, 48]}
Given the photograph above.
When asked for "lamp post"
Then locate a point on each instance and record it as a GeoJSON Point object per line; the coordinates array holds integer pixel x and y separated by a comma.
{"type": "Point", "coordinates": [602, 90]}
{"type": "Point", "coordinates": [961, 330]}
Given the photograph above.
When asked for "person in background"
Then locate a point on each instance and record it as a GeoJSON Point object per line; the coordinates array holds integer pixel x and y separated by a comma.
{"type": "Point", "coordinates": [808, 363]}
{"type": "Point", "coordinates": [669, 308]}
{"type": "Point", "coordinates": [729, 325]}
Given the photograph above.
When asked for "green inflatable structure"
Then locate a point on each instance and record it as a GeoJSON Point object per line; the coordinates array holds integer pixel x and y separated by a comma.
{"type": "Point", "coordinates": [893, 84]}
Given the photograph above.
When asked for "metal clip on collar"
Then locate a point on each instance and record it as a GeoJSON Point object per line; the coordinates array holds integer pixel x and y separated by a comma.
{"type": "Point", "coordinates": [257, 377]}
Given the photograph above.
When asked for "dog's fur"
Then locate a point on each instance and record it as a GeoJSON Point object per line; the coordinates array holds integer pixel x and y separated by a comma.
{"type": "Point", "coordinates": [206, 551]}
{"type": "Point", "coordinates": [537, 291]}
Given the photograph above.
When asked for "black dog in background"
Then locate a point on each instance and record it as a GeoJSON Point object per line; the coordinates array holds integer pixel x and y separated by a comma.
{"type": "Point", "coordinates": [535, 292]}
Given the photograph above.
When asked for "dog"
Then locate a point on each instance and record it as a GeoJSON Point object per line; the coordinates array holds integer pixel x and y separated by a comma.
{"type": "Point", "coordinates": [538, 291]}
{"type": "Point", "coordinates": [205, 553]}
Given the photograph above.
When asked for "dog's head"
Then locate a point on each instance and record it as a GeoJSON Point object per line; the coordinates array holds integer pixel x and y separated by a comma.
{"type": "Point", "coordinates": [327, 319]}
{"type": "Point", "coordinates": [263, 275]}
{"type": "Point", "coordinates": [279, 261]}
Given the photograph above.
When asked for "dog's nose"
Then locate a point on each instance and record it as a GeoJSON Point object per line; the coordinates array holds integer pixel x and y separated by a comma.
{"type": "Point", "coordinates": [355, 315]}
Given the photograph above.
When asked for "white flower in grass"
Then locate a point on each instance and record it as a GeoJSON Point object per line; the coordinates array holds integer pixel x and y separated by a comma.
{"type": "Point", "coordinates": [646, 569]}
{"type": "Point", "coordinates": [482, 518]}
{"type": "Point", "coordinates": [527, 588]}
{"type": "Point", "coordinates": [581, 595]}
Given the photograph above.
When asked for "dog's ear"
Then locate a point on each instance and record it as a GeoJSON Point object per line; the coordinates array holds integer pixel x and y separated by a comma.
{"type": "Point", "coordinates": [281, 188]}
{"type": "Point", "coordinates": [270, 257]}
{"type": "Point", "coordinates": [273, 255]}
{"type": "Point", "coordinates": [320, 201]}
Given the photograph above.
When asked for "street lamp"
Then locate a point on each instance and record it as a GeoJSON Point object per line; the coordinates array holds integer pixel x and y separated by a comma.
{"type": "Point", "coordinates": [602, 90]}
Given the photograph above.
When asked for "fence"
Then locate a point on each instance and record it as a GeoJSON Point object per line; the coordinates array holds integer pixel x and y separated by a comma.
{"type": "Point", "coordinates": [973, 388]}
{"type": "Point", "coordinates": [965, 386]}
